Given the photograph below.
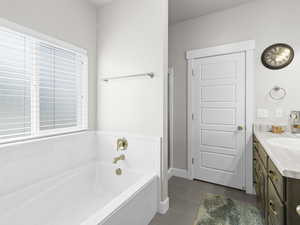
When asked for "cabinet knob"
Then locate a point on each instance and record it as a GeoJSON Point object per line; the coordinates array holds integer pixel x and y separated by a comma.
{"type": "Point", "coordinates": [272, 207]}
{"type": "Point", "coordinates": [273, 175]}
{"type": "Point", "coordinates": [298, 210]}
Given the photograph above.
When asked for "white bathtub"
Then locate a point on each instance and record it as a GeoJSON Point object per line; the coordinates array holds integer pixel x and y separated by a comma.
{"type": "Point", "coordinates": [88, 195]}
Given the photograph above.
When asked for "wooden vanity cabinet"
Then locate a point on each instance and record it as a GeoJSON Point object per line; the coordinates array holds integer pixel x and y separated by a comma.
{"type": "Point", "coordinates": [278, 196]}
{"type": "Point", "coordinates": [260, 178]}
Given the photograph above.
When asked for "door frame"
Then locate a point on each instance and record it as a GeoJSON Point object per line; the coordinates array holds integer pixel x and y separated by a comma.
{"type": "Point", "coordinates": [248, 48]}
{"type": "Point", "coordinates": [171, 116]}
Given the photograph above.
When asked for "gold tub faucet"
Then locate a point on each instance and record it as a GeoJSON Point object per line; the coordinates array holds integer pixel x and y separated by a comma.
{"type": "Point", "coordinates": [122, 144]}
{"type": "Point", "coordinates": [117, 159]}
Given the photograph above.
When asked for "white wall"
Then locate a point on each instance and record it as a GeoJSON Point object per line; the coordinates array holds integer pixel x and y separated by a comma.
{"type": "Point", "coordinates": [135, 158]}
{"type": "Point", "coordinates": [72, 21]}
{"type": "Point", "coordinates": [132, 39]}
{"type": "Point", "coordinates": [265, 21]}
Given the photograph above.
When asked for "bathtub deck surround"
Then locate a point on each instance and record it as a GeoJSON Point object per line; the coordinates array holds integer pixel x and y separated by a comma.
{"type": "Point", "coordinates": [25, 163]}
{"type": "Point", "coordinates": [134, 157]}
{"type": "Point", "coordinates": [88, 195]}
{"type": "Point", "coordinates": [83, 187]}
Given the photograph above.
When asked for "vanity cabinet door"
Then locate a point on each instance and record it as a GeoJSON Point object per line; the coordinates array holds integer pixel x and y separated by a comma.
{"type": "Point", "coordinates": [258, 179]}
{"type": "Point", "coordinates": [265, 198]}
{"type": "Point", "coordinates": [277, 179]}
{"type": "Point", "coordinates": [275, 206]}
{"type": "Point", "coordinates": [271, 220]}
{"type": "Point", "coordinates": [262, 153]}
{"type": "Point", "coordinates": [264, 190]}
{"type": "Point", "coordinates": [255, 161]}
{"type": "Point", "coordinates": [261, 187]}
{"type": "Point", "coordinates": [293, 201]}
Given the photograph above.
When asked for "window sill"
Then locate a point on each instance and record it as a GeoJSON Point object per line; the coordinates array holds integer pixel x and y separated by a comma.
{"type": "Point", "coordinates": [44, 135]}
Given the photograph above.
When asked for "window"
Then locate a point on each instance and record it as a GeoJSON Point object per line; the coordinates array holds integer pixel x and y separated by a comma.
{"type": "Point", "coordinates": [42, 87]}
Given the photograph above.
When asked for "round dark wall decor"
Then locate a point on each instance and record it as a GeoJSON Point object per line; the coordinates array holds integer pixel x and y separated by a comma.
{"type": "Point", "coordinates": [277, 56]}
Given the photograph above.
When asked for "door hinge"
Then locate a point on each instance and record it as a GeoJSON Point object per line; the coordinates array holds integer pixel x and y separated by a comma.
{"type": "Point", "coordinates": [193, 116]}
{"type": "Point", "coordinates": [193, 160]}
{"type": "Point", "coordinates": [193, 72]}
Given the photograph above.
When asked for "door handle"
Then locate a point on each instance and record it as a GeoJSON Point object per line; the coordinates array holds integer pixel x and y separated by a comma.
{"type": "Point", "coordinates": [240, 128]}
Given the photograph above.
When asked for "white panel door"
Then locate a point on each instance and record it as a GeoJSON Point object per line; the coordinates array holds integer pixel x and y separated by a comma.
{"type": "Point", "coordinates": [218, 105]}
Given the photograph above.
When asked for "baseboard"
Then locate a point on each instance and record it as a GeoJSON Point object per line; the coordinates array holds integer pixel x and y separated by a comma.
{"type": "Point", "coordinates": [180, 173]}
{"type": "Point", "coordinates": [164, 206]}
{"type": "Point", "coordinates": [170, 173]}
{"type": "Point", "coordinates": [251, 192]}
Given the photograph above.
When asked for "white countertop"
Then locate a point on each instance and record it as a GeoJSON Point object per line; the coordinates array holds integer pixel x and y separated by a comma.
{"type": "Point", "coordinates": [287, 161]}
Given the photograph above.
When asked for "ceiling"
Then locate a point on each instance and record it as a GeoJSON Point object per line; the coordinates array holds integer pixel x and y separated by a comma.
{"type": "Point", "coordinates": [101, 2]}
{"type": "Point", "coordinates": [181, 10]}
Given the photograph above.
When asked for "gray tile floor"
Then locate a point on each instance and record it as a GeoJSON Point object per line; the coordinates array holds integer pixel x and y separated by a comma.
{"type": "Point", "coordinates": [185, 197]}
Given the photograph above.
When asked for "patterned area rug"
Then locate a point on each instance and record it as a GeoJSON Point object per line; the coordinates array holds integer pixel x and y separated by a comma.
{"type": "Point", "coordinates": [219, 210]}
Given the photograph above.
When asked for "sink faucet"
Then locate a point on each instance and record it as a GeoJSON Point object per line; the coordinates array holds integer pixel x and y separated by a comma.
{"type": "Point", "coordinates": [117, 159]}
{"type": "Point", "coordinates": [295, 122]}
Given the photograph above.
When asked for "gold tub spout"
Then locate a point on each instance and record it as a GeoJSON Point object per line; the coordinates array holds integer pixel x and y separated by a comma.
{"type": "Point", "coordinates": [117, 159]}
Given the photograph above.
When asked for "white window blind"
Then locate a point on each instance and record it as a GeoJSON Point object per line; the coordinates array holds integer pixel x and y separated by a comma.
{"type": "Point", "coordinates": [15, 85]}
{"type": "Point", "coordinates": [58, 85]}
{"type": "Point", "coordinates": [42, 87]}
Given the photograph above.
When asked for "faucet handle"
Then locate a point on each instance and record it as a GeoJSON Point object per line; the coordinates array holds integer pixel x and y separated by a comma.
{"type": "Point", "coordinates": [122, 144]}
{"type": "Point", "coordinates": [294, 115]}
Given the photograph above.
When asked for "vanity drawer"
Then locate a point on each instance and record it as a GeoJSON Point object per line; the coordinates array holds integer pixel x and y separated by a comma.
{"type": "Point", "coordinates": [277, 179]}
{"type": "Point", "coordinates": [275, 206]}
{"type": "Point", "coordinates": [262, 154]}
